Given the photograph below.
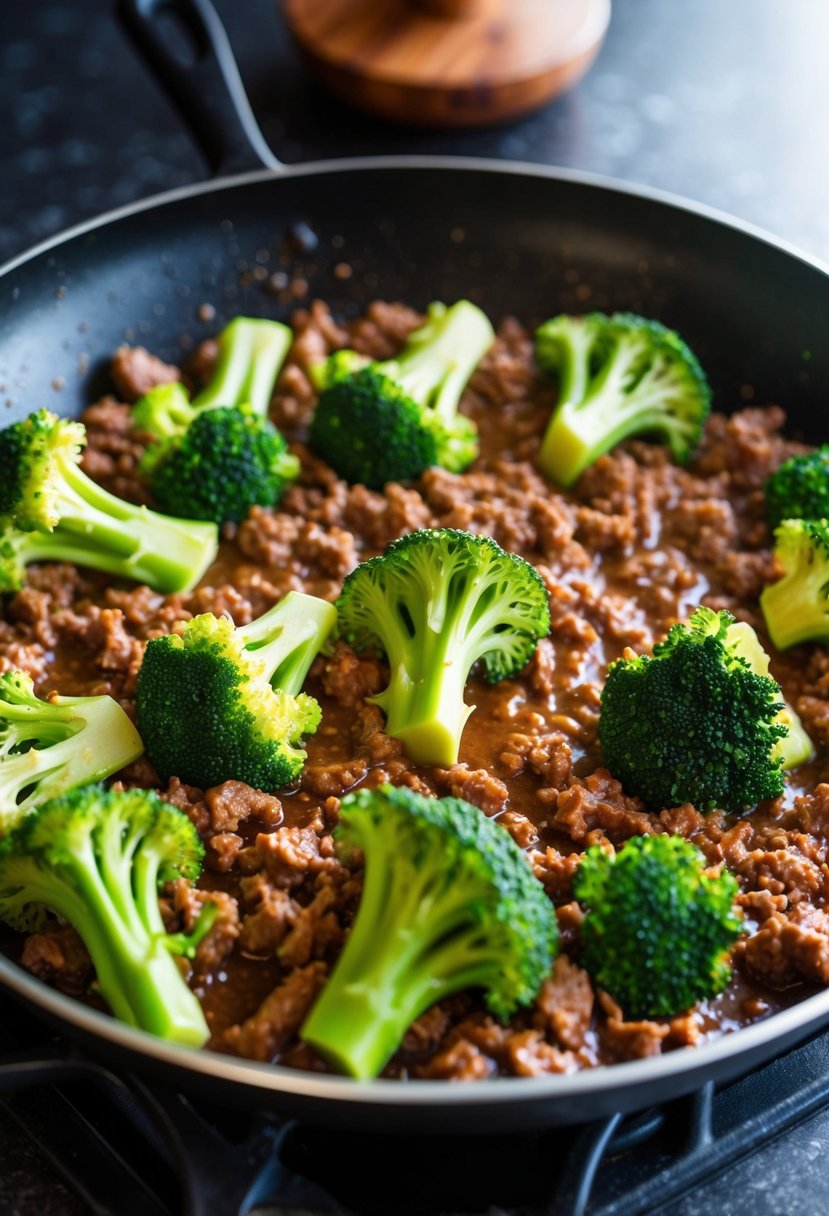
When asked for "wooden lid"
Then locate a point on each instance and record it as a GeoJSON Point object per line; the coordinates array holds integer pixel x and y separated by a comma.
{"type": "Point", "coordinates": [448, 62]}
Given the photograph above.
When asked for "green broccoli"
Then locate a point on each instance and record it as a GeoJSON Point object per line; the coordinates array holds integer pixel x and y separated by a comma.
{"type": "Point", "coordinates": [51, 511]}
{"type": "Point", "coordinates": [796, 607]}
{"type": "Point", "coordinates": [695, 723]}
{"type": "Point", "coordinates": [47, 747]}
{"type": "Point", "coordinates": [657, 929]}
{"type": "Point", "coordinates": [251, 354]}
{"type": "Point", "coordinates": [223, 703]}
{"type": "Point", "coordinates": [216, 457]}
{"type": "Point", "coordinates": [380, 422]}
{"type": "Point", "coordinates": [436, 603]}
{"type": "Point", "coordinates": [225, 461]}
{"type": "Point", "coordinates": [97, 858]}
{"type": "Point", "coordinates": [618, 376]}
{"type": "Point", "coordinates": [795, 747]}
{"type": "Point", "coordinates": [799, 488]}
{"type": "Point", "coordinates": [449, 902]}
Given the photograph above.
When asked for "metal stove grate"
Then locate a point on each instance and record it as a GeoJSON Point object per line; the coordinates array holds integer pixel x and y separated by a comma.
{"type": "Point", "coordinates": [129, 1149]}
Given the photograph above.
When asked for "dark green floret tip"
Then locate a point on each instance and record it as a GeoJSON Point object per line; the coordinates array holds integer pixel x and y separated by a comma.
{"type": "Point", "coordinates": [436, 603]}
{"type": "Point", "coordinates": [449, 902]}
{"type": "Point", "coordinates": [695, 723]}
{"type": "Point", "coordinates": [216, 457]}
{"type": "Point", "coordinates": [618, 376]}
{"type": "Point", "coordinates": [377, 422]}
{"type": "Point", "coordinates": [372, 433]}
{"type": "Point", "coordinates": [799, 488]}
{"type": "Point", "coordinates": [657, 928]}
{"type": "Point", "coordinates": [228, 460]}
{"type": "Point", "coordinates": [220, 703]}
{"type": "Point", "coordinates": [97, 858]}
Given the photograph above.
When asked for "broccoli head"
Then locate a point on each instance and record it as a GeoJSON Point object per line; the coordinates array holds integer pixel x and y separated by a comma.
{"type": "Point", "coordinates": [227, 460]}
{"type": "Point", "coordinates": [435, 604]}
{"type": "Point", "coordinates": [48, 747]}
{"type": "Point", "coordinates": [617, 376]}
{"type": "Point", "coordinates": [694, 723]}
{"type": "Point", "coordinates": [220, 703]}
{"type": "Point", "coordinates": [97, 858]}
{"type": "Point", "coordinates": [796, 607]}
{"type": "Point", "coordinates": [380, 422]}
{"type": "Point", "coordinates": [449, 902]}
{"type": "Point", "coordinates": [51, 511]}
{"type": "Point", "coordinates": [657, 927]}
{"type": "Point", "coordinates": [216, 457]}
{"type": "Point", "coordinates": [799, 488]}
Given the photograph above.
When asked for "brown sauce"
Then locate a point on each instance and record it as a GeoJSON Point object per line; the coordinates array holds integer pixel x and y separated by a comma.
{"type": "Point", "coordinates": [634, 548]}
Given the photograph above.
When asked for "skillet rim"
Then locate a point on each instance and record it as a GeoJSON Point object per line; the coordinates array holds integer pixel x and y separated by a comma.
{"type": "Point", "coordinates": [481, 164]}
{"type": "Point", "coordinates": [792, 1024]}
{"type": "Point", "coordinates": [789, 1025]}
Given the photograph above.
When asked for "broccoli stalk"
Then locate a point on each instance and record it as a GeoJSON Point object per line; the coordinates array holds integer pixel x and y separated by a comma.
{"type": "Point", "coordinates": [51, 511]}
{"type": "Point", "coordinates": [380, 422]}
{"type": "Point", "coordinates": [694, 723]}
{"type": "Point", "coordinates": [796, 607]}
{"type": "Point", "coordinates": [251, 353]}
{"type": "Point", "coordinates": [436, 603]}
{"type": "Point", "coordinates": [799, 488]}
{"type": "Point", "coordinates": [97, 858]}
{"type": "Point", "coordinates": [47, 747]}
{"type": "Point", "coordinates": [220, 703]}
{"type": "Point", "coordinates": [795, 747]}
{"type": "Point", "coordinates": [449, 902]}
{"type": "Point", "coordinates": [617, 376]}
{"type": "Point", "coordinates": [657, 925]}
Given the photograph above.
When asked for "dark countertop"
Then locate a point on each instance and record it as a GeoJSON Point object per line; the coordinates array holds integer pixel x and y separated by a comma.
{"type": "Point", "coordinates": [724, 103]}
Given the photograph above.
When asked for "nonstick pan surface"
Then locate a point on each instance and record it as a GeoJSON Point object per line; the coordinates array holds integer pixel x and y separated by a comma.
{"type": "Point", "coordinates": [516, 239]}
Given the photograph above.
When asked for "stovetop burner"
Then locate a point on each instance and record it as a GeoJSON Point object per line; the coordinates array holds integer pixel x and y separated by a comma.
{"type": "Point", "coordinates": [129, 1149]}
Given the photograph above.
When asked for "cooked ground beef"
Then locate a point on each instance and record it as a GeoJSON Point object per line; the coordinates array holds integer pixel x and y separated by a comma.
{"type": "Point", "coordinates": [631, 550]}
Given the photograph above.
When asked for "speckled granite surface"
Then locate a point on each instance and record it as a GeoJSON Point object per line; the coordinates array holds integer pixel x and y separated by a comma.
{"type": "Point", "coordinates": [724, 103]}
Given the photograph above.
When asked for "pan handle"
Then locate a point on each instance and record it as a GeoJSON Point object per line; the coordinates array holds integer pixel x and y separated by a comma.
{"type": "Point", "coordinates": [207, 89]}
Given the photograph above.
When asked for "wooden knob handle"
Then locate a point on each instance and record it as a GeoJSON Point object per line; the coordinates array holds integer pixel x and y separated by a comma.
{"type": "Point", "coordinates": [447, 8]}
{"type": "Point", "coordinates": [448, 62]}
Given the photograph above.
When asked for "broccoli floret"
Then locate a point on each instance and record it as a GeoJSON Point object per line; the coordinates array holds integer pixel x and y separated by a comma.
{"type": "Point", "coordinates": [225, 462]}
{"type": "Point", "coordinates": [51, 511]}
{"type": "Point", "coordinates": [618, 376]}
{"type": "Point", "coordinates": [796, 607]}
{"type": "Point", "coordinates": [380, 422]}
{"type": "Point", "coordinates": [48, 747]}
{"type": "Point", "coordinates": [251, 354]}
{"type": "Point", "coordinates": [449, 902]}
{"type": "Point", "coordinates": [657, 928]}
{"type": "Point", "coordinates": [97, 858]}
{"type": "Point", "coordinates": [694, 723]}
{"type": "Point", "coordinates": [164, 412]}
{"type": "Point", "coordinates": [221, 703]}
{"type": "Point", "coordinates": [795, 747]}
{"type": "Point", "coordinates": [215, 458]}
{"type": "Point", "coordinates": [436, 603]}
{"type": "Point", "coordinates": [799, 489]}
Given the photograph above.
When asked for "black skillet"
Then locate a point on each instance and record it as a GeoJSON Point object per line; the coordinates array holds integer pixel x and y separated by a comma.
{"type": "Point", "coordinates": [518, 239]}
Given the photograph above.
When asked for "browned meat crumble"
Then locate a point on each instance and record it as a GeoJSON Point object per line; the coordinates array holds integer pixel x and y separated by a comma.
{"type": "Point", "coordinates": [638, 544]}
